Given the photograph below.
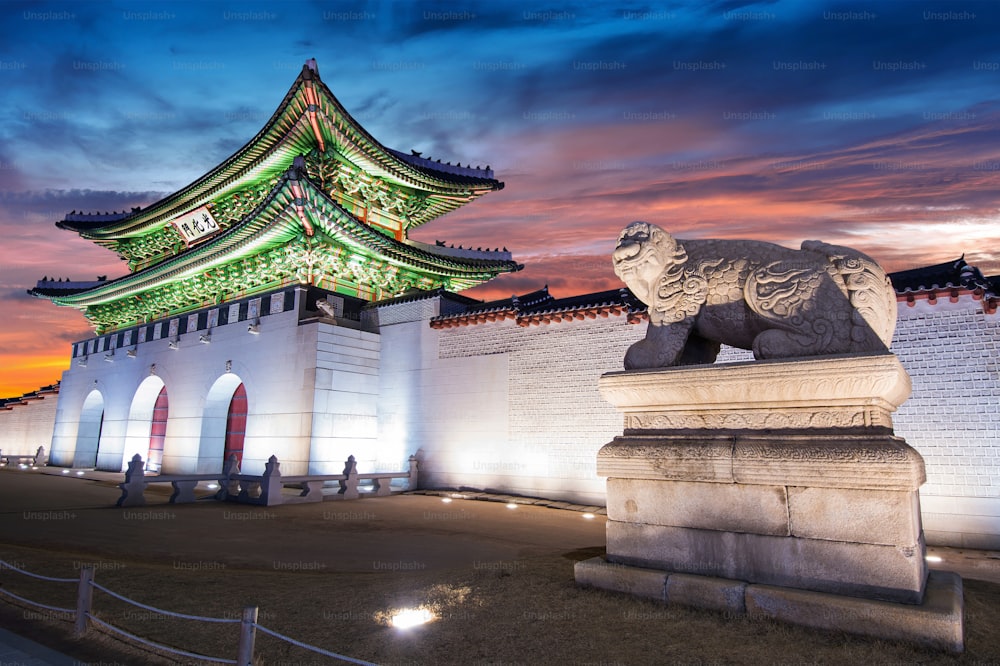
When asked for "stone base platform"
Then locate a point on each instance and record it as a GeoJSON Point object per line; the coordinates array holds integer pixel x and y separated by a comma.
{"type": "Point", "coordinates": [773, 488]}
{"type": "Point", "coordinates": [936, 623]}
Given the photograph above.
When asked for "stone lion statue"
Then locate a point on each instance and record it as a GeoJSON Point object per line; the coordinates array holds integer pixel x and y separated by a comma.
{"type": "Point", "coordinates": [779, 302]}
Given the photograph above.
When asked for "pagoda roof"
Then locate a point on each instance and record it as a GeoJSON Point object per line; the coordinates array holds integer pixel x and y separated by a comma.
{"type": "Point", "coordinates": [25, 398]}
{"type": "Point", "coordinates": [423, 295]}
{"type": "Point", "coordinates": [539, 307]}
{"type": "Point", "coordinates": [957, 274]}
{"type": "Point", "coordinates": [294, 209]}
{"type": "Point", "coordinates": [309, 117]}
{"type": "Point", "coordinates": [55, 288]}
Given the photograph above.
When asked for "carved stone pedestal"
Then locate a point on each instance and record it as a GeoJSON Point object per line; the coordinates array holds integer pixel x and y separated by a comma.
{"type": "Point", "coordinates": [775, 488]}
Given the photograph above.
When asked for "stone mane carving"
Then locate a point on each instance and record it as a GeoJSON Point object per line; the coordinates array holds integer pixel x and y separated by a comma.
{"type": "Point", "coordinates": [778, 302]}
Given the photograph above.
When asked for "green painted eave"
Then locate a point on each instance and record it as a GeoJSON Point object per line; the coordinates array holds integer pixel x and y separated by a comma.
{"type": "Point", "coordinates": [275, 222]}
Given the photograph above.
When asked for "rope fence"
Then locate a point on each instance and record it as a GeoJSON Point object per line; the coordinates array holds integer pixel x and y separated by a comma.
{"type": "Point", "coordinates": [7, 565]}
{"type": "Point", "coordinates": [312, 648]}
{"type": "Point", "coordinates": [159, 646]}
{"type": "Point", "coordinates": [183, 616]}
{"type": "Point", "coordinates": [51, 579]}
{"type": "Point", "coordinates": [84, 617]}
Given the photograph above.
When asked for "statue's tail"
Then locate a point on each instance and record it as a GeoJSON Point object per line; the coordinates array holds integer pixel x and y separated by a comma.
{"type": "Point", "coordinates": [867, 286]}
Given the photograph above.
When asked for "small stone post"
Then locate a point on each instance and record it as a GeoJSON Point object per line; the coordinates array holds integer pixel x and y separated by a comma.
{"type": "Point", "coordinates": [248, 635]}
{"type": "Point", "coordinates": [349, 486]}
{"type": "Point", "coordinates": [135, 484]}
{"type": "Point", "coordinates": [270, 483]}
{"type": "Point", "coordinates": [84, 599]}
{"type": "Point", "coordinates": [228, 486]}
{"type": "Point", "coordinates": [413, 474]}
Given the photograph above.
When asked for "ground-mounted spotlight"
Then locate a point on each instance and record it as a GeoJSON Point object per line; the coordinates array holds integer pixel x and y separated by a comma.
{"type": "Point", "coordinates": [588, 516]}
{"type": "Point", "coordinates": [446, 500]}
{"type": "Point", "coordinates": [65, 471]}
{"type": "Point", "coordinates": [79, 472]}
{"type": "Point", "coordinates": [411, 617]}
{"type": "Point", "coordinates": [932, 558]}
{"type": "Point", "coordinates": [213, 486]}
{"type": "Point", "coordinates": [511, 505]}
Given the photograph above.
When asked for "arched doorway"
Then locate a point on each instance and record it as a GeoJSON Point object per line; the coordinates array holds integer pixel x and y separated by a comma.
{"type": "Point", "coordinates": [158, 432]}
{"type": "Point", "coordinates": [88, 435]}
{"type": "Point", "coordinates": [236, 425]}
{"type": "Point", "coordinates": [146, 431]}
{"type": "Point", "coordinates": [215, 423]}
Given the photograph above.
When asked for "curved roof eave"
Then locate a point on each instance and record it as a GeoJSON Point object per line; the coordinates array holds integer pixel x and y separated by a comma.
{"type": "Point", "coordinates": [254, 230]}
{"type": "Point", "coordinates": [378, 158]}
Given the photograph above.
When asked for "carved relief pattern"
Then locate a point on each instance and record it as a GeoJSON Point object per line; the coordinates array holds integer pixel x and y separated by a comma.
{"type": "Point", "coordinates": [848, 452]}
{"type": "Point", "coordinates": [725, 278]}
{"type": "Point", "coordinates": [754, 420]}
{"type": "Point", "coordinates": [653, 452]}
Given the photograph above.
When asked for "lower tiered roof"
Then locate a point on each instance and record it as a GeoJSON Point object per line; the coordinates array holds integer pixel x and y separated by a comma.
{"type": "Point", "coordinates": [297, 234]}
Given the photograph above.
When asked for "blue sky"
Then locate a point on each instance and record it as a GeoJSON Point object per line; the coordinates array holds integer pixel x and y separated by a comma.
{"type": "Point", "coordinates": [871, 124]}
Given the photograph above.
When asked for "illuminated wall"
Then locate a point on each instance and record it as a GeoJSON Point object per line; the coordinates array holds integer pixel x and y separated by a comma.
{"type": "Point", "coordinates": [516, 409]}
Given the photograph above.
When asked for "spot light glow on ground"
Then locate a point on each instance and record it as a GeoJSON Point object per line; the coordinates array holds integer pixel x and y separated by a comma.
{"type": "Point", "coordinates": [411, 617]}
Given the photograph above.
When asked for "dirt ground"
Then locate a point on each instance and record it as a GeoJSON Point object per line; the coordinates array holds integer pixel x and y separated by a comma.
{"type": "Point", "coordinates": [498, 581]}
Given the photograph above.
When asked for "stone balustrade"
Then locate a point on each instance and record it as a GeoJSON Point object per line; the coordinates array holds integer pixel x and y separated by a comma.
{"type": "Point", "coordinates": [40, 459]}
{"type": "Point", "coordinates": [264, 489]}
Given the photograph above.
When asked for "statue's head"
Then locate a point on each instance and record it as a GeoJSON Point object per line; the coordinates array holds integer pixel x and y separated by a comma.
{"type": "Point", "coordinates": [643, 253]}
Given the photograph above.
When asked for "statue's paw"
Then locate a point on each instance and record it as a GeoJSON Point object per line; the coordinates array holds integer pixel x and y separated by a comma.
{"type": "Point", "coordinates": [644, 354]}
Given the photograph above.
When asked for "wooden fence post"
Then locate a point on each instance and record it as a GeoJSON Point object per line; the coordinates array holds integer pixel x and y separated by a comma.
{"type": "Point", "coordinates": [84, 599]}
{"type": "Point", "coordinates": [248, 635]}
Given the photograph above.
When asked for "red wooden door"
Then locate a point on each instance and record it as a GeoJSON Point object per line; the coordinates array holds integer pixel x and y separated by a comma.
{"type": "Point", "coordinates": [236, 425]}
{"type": "Point", "coordinates": [157, 432]}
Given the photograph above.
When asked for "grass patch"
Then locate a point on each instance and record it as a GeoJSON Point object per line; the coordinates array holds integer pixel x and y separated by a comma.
{"type": "Point", "coordinates": [526, 611]}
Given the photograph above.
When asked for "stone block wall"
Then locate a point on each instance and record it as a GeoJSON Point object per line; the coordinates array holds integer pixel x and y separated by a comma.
{"type": "Point", "coordinates": [556, 419]}
{"type": "Point", "coordinates": [25, 427]}
{"type": "Point", "coordinates": [952, 353]}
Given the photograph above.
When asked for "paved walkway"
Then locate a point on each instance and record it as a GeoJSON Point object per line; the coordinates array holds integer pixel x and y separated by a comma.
{"type": "Point", "coordinates": [18, 651]}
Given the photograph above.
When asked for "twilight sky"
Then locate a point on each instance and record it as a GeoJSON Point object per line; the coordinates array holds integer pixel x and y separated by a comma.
{"type": "Point", "coordinates": [871, 124]}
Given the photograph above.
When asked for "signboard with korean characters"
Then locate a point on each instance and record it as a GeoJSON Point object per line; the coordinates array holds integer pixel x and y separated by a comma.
{"type": "Point", "coordinates": [196, 225]}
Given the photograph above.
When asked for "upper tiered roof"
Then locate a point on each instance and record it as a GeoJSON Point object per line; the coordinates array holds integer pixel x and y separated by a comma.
{"type": "Point", "coordinates": [310, 119]}
{"type": "Point", "coordinates": [311, 199]}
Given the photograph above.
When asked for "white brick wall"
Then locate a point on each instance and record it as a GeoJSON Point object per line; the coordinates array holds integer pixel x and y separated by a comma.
{"type": "Point", "coordinates": [26, 427]}
{"type": "Point", "coordinates": [557, 420]}
{"type": "Point", "coordinates": [952, 418]}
